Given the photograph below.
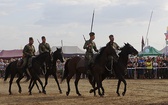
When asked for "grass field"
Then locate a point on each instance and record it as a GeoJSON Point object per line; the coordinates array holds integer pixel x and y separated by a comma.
{"type": "Point", "coordinates": [139, 92]}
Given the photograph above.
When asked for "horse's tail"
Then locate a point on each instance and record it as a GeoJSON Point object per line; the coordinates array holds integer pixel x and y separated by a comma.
{"type": "Point", "coordinates": [66, 71]}
{"type": "Point", "coordinates": [7, 71]}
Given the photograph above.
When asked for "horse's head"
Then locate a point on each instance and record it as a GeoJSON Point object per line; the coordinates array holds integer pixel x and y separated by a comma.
{"type": "Point", "coordinates": [58, 54]}
{"type": "Point", "coordinates": [129, 49]}
{"type": "Point", "coordinates": [111, 52]}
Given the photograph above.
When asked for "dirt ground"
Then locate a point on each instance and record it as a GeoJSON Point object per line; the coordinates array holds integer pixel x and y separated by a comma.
{"type": "Point", "coordinates": [139, 92]}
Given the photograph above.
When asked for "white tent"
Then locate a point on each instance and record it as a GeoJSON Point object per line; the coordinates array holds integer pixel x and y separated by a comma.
{"type": "Point", "coordinates": [69, 50]}
{"type": "Point", "coordinates": [165, 50]}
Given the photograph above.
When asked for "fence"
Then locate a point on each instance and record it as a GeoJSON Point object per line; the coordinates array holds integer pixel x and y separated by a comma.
{"type": "Point", "coordinates": [143, 72]}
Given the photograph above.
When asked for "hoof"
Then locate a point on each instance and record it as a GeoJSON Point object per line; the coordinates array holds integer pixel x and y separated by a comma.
{"type": "Point", "coordinates": [67, 93]}
{"type": "Point", "coordinates": [118, 93]}
{"type": "Point", "coordinates": [123, 93]}
{"type": "Point", "coordinates": [20, 91]}
{"type": "Point", "coordinates": [101, 95]}
{"type": "Point", "coordinates": [91, 91]}
{"type": "Point", "coordinates": [40, 92]}
{"type": "Point", "coordinates": [10, 93]}
{"type": "Point", "coordinates": [30, 93]}
{"type": "Point", "coordinates": [44, 92]}
{"type": "Point", "coordinates": [60, 92]}
{"type": "Point", "coordinates": [79, 94]}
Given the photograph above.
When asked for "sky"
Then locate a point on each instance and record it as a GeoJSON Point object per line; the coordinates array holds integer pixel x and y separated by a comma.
{"type": "Point", "coordinates": [69, 20]}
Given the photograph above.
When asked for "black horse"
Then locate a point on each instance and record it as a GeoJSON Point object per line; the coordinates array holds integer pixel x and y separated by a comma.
{"type": "Point", "coordinates": [57, 55]}
{"type": "Point", "coordinates": [71, 67]}
{"type": "Point", "coordinates": [51, 70]}
{"type": "Point", "coordinates": [119, 68]}
{"type": "Point", "coordinates": [35, 70]}
{"type": "Point", "coordinates": [12, 69]}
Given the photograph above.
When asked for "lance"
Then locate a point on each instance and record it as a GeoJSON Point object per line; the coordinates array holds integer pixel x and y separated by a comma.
{"type": "Point", "coordinates": [38, 41]}
{"type": "Point", "coordinates": [146, 40]}
{"type": "Point", "coordinates": [92, 21]}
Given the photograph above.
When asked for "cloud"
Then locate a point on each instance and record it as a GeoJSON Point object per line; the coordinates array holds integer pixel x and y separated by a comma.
{"type": "Point", "coordinates": [34, 6]}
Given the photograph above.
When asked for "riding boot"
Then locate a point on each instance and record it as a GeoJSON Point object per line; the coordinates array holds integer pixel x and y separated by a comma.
{"type": "Point", "coordinates": [30, 63]}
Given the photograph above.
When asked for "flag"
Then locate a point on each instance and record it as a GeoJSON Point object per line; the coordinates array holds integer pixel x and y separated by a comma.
{"type": "Point", "coordinates": [166, 35]}
{"type": "Point", "coordinates": [142, 44]}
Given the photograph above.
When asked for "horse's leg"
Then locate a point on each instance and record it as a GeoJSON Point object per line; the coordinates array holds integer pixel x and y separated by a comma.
{"type": "Point", "coordinates": [18, 82]}
{"type": "Point", "coordinates": [31, 86]}
{"type": "Point", "coordinates": [38, 87]}
{"type": "Point", "coordinates": [118, 87]}
{"type": "Point", "coordinates": [10, 83]}
{"type": "Point", "coordinates": [102, 89]}
{"type": "Point", "coordinates": [93, 83]}
{"type": "Point", "coordinates": [76, 83]}
{"type": "Point", "coordinates": [125, 86]}
{"type": "Point", "coordinates": [30, 83]}
{"type": "Point", "coordinates": [68, 80]}
{"type": "Point", "coordinates": [98, 80]}
{"type": "Point", "coordinates": [46, 79]}
{"type": "Point", "coordinates": [55, 77]}
{"type": "Point", "coordinates": [43, 90]}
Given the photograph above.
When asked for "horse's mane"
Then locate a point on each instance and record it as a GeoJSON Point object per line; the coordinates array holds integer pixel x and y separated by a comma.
{"type": "Point", "coordinates": [122, 50]}
{"type": "Point", "coordinates": [42, 54]}
{"type": "Point", "coordinates": [100, 53]}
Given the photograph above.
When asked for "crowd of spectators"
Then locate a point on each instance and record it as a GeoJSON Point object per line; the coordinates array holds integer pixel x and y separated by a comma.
{"type": "Point", "coordinates": [137, 68]}
{"type": "Point", "coordinates": [3, 64]}
{"type": "Point", "coordinates": [147, 67]}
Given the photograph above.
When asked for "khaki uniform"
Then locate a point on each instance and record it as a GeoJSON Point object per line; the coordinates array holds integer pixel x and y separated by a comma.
{"type": "Point", "coordinates": [44, 47]}
{"type": "Point", "coordinates": [28, 52]}
{"type": "Point", "coordinates": [115, 46]}
{"type": "Point", "coordinates": [89, 51]}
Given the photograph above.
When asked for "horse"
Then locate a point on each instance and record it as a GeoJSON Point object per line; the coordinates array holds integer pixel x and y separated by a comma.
{"type": "Point", "coordinates": [57, 55]}
{"type": "Point", "coordinates": [35, 70]}
{"type": "Point", "coordinates": [12, 69]}
{"type": "Point", "coordinates": [119, 68]}
{"type": "Point", "coordinates": [72, 66]}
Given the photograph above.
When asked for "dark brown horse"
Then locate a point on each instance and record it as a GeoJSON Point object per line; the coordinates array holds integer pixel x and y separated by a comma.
{"type": "Point", "coordinates": [74, 66]}
{"type": "Point", "coordinates": [119, 67]}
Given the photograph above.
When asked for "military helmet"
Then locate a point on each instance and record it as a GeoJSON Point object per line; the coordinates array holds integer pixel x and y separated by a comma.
{"type": "Point", "coordinates": [43, 37]}
{"type": "Point", "coordinates": [91, 33]}
{"type": "Point", "coordinates": [111, 36]}
{"type": "Point", "coordinates": [30, 38]}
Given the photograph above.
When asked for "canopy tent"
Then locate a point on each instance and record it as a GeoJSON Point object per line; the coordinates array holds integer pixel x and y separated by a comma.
{"type": "Point", "coordinates": [165, 50]}
{"type": "Point", "coordinates": [7, 54]}
{"type": "Point", "coordinates": [70, 51]}
{"type": "Point", "coordinates": [150, 51]}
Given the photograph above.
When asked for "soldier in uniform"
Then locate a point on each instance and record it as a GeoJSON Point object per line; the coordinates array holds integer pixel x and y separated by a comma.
{"type": "Point", "coordinates": [115, 46]}
{"type": "Point", "coordinates": [89, 46]}
{"type": "Point", "coordinates": [44, 47]}
{"type": "Point", "coordinates": [28, 52]}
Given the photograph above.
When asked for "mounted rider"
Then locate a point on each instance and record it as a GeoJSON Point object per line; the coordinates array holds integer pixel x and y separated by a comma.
{"type": "Point", "coordinates": [89, 45]}
{"type": "Point", "coordinates": [116, 47]}
{"type": "Point", "coordinates": [28, 53]}
{"type": "Point", "coordinates": [44, 47]}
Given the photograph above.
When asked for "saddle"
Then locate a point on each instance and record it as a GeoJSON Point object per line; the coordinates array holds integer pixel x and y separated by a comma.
{"type": "Point", "coordinates": [81, 63]}
{"type": "Point", "coordinates": [30, 61]}
{"type": "Point", "coordinates": [19, 63]}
